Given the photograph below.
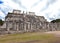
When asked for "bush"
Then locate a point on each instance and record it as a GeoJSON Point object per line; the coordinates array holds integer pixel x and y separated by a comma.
{"type": "Point", "coordinates": [1, 22]}
{"type": "Point", "coordinates": [57, 20]}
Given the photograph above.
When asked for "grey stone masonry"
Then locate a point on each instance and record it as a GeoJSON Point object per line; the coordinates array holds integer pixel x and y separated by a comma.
{"type": "Point", "coordinates": [22, 22]}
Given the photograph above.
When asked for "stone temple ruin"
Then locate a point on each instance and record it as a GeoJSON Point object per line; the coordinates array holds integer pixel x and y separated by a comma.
{"type": "Point", "coordinates": [17, 22]}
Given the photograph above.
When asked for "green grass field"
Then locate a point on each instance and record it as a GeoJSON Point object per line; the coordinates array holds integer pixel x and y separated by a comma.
{"type": "Point", "coordinates": [42, 37]}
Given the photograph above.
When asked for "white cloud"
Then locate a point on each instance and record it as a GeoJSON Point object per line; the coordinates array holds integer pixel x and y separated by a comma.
{"type": "Point", "coordinates": [47, 8]}
{"type": "Point", "coordinates": [53, 10]}
{"type": "Point", "coordinates": [1, 14]}
{"type": "Point", "coordinates": [11, 4]}
{"type": "Point", "coordinates": [28, 3]}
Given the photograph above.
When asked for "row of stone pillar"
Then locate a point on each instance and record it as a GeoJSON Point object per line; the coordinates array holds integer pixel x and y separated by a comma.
{"type": "Point", "coordinates": [29, 26]}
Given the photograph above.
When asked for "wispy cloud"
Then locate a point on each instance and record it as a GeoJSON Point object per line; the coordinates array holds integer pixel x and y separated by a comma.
{"type": "Point", "coordinates": [49, 2]}
{"type": "Point", "coordinates": [36, 3]}
{"type": "Point", "coordinates": [20, 4]}
{"type": "Point", "coordinates": [47, 8]}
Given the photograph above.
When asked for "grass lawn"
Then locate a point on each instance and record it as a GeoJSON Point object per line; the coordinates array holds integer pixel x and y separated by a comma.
{"type": "Point", "coordinates": [15, 38]}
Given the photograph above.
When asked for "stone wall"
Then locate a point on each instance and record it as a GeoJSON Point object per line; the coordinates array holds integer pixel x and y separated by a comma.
{"type": "Point", "coordinates": [22, 22]}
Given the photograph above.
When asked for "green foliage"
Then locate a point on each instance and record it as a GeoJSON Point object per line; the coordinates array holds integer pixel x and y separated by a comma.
{"type": "Point", "coordinates": [57, 20]}
{"type": "Point", "coordinates": [1, 22]}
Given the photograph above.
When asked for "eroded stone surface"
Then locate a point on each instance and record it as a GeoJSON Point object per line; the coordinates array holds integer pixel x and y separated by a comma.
{"type": "Point", "coordinates": [17, 22]}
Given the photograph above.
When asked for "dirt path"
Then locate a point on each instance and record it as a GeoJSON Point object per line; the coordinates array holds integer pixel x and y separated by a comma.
{"type": "Point", "coordinates": [56, 33]}
{"type": "Point", "coordinates": [35, 41]}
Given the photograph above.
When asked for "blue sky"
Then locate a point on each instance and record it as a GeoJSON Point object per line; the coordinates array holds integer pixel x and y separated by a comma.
{"type": "Point", "coordinates": [1, 2]}
{"type": "Point", "coordinates": [50, 9]}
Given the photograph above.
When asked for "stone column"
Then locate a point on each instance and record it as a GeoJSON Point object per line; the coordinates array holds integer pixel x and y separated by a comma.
{"type": "Point", "coordinates": [13, 26]}
{"type": "Point", "coordinates": [17, 26]}
{"type": "Point", "coordinates": [21, 26]}
{"type": "Point", "coordinates": [24, 26]}
{"type": "Point", "coordinates": [8, 26]}
{"type": "Point", "coordinates": [36, 24]}
{"type": "Point", "coordinates": [48, 26]}
{"type": "Point", "coordinates": [30, 26]}
{"type": "Point", "coordinates": [27, 26]}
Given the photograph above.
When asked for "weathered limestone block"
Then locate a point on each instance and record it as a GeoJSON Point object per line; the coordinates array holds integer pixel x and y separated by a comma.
{"type": "Point", "coordinates": [27, 22]}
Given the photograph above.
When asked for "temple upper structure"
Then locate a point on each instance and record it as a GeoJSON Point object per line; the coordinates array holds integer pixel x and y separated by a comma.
{"type": "Point", "coordinates": [21, 21]}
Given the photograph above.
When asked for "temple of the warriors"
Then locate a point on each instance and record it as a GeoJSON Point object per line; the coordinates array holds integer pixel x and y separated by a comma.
{"type": "Point", "coordinates": [17, 22]}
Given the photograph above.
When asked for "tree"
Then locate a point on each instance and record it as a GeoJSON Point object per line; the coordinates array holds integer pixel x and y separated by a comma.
{"type": "Point", "coordinates": [1, 22]}
{"type": "Point", "coordinates": [57, 20]}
